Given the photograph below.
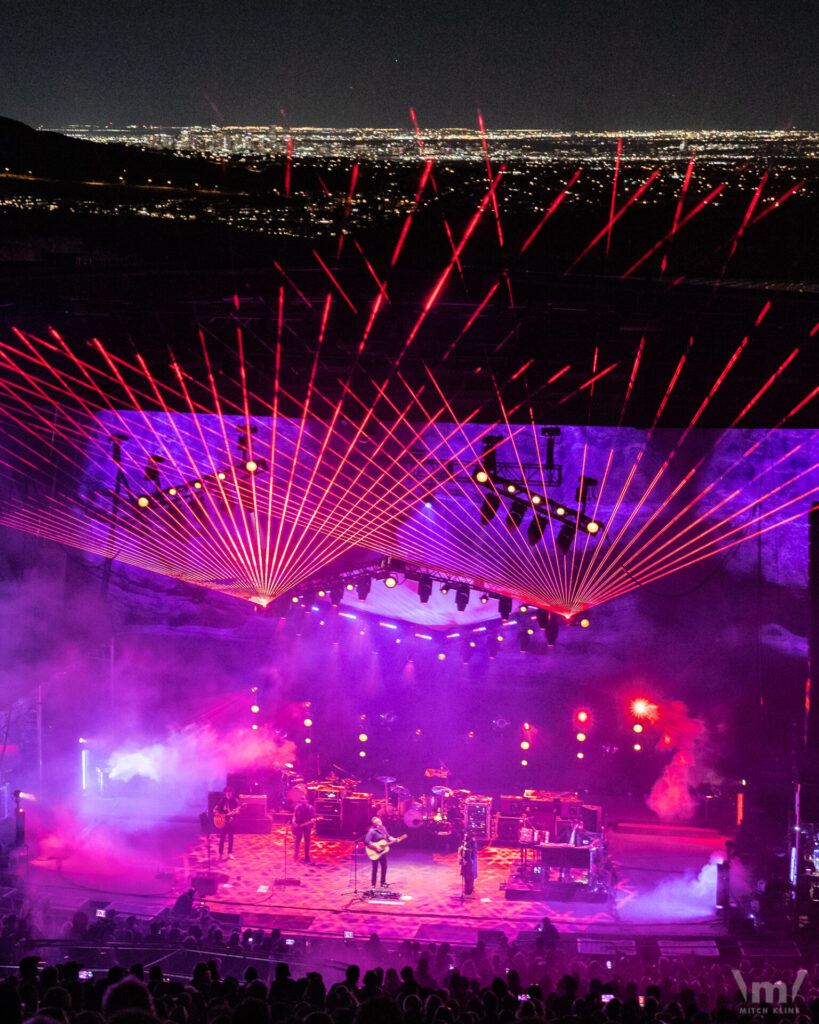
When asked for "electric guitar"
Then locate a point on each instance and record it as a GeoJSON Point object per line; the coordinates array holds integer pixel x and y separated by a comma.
{"type": "Point", "coordinates": [378, 849]}
{"type": "Point", "coordinates": [303, 827]}
{"type": "Point", "coordinates": [221, 818]}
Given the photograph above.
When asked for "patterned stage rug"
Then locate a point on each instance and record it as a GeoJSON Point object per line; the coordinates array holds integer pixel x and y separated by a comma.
{"type": "Point", "coordinates": [330, 895]}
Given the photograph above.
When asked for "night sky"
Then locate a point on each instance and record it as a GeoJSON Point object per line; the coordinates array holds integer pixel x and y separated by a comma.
{"type": "Point", "coordinates": [591, 64]}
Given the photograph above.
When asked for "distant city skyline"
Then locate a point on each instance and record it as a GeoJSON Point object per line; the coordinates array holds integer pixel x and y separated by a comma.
{"type": "Point", "coordinates": [629, 65]}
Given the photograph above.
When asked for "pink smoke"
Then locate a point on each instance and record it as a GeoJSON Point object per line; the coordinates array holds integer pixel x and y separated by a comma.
{"type": "Point", "coordinates": [670, 796]}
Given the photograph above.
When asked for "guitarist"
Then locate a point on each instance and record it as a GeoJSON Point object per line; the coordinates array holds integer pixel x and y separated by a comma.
{"type": "Point", "coordinates": [375, 836]}
{"type": "Point", "coordinates": [304, 817]}
{"type": "Point", "coordinates": [227, 808]}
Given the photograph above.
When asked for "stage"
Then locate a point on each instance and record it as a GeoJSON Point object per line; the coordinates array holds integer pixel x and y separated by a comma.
{"type": "Point", "coordinates": [662, 884]}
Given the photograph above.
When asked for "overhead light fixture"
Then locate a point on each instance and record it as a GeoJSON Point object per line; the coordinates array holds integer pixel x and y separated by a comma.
{"type": "Point", "coordinates": [511, 489]}
{"type": "Point", "coordinates": [543, 615]}
{"type": "Point", "coordinates": [363, 587]}
{"type": "Point", "coordinates": [484, 598]}
{"type": "Point", "coordinates": [514, 517]}
{"type": "Point", "coordinates": [390, 581]}
{"type": "Point", "coordinates": [559, 510]}
{"type": "Point", "coordinates": [551, 630]}
{"type": "Point", "coordinates": [424, 588]}
{"type": "Point", "coordinates": [534, 532]}
{"type": "Point", "coordinates": [480, 475]}
{"type": "Point", "coordinates": [143, 501]}
{"type": "Point", "coordinates": [336, 594]}
{"type": "Point", "coordinates": [489, 507]}
{"type": "Point", "coordinates": [504, 607]}
{"type": "Point", "coordinates": [565, 537]}
{"type": "Point", "coordinates": [462, 598]}
{"type": "Point", "coordinates": [585, 622]}
{"type": "Point", "coordinates": [592, 526]}
{"type": "Point", "coordinates": [445, 588]}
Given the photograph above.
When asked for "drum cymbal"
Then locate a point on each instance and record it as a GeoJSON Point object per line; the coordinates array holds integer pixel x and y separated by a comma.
{"type": "Point", "coordinates": [442, 790]}
{"type": "Point", "coordinates": [400, 791]}
{"type": "Point", "coordinates": [385, 778]}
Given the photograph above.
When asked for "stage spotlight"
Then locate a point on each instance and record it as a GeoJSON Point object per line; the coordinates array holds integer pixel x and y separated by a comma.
{"type": "Point", "coordinates": [560, 510]}
{"type": "Point", "coordinates": [143, 501]}
{"type": "Point", "coordinates": [511, 489]}
{"type": "Point", "coordinates": [362, 753]}
{"type": "Point", "coordinates": [543, 617]}
{"type": "Point", "coordinates": [585, 622]}
{"type": "Point", "coordinates": [565, 537]}
{"type": "Point", "coordinates": [308, 722]}
{"type": "Point", "coordinates": [592, 526]}
{"type": "Point", "coordinates": [581, 737]}
{"type": "Point", "coordinates": [428, 499]}
{"type": "Point", "coordinates": [255, 708]}
{"type": "Point", "coordinates": [445, 589]}
{"type": "Point", "coordinates": [524, 608]}
{"type": "Point", "coordinates": [580, 755]}
{"type": "Point", "coordinates": [530, 631]}
{"type": "Point", "coordinates": [221, 475]}
{"type": "Point", "coordinates": [441, 656]}
{"type": "Point", "coordinates": [637, 727]}
{"type": "Point", "coordinates": [350, 586]}
{"type": "Point", "coordinates": [489, 507]}
{"type": "Point", "coordinates": [362, 737]}
{"type": "Point", "coordinates": [424, 588]}
{"type": "Point", "coordinates": [504, 607]}
{"type": "Point", "coordinates": [637, 746]}
{"type": "Point", "coordinates": [363, 587]}
{"type": "Point", "coordinates": [582, 716]}
{"type": "Point", "coordinates": [534, 531]}
{"type": "Point", "coordinates": [336, 594]}
{"type": "Point", "coordinates": [481, 475]}
{"type": "Point", "coordinates": [322, 593]}
{"type": "Point", "coordinates": [643, 708]}
{"type": "Point", "coordinates": [294, 599]}
{"type": "Point", "coordinates": [484, 598]}
{"type": "Point", "coordinates": [197, 485]}
{"type": "Point", "coordinates": [462, 598]}
{"type": "Point", "coordinates": [525, 744]}
{"type": "Point", "coordinates": [536, 499]}
{"type": "Point", "coordinates": [390, 581]}
{"type": "Point", "coordinates": [524, 762]}
{"type": "Point", "coordinates": [251, 465]}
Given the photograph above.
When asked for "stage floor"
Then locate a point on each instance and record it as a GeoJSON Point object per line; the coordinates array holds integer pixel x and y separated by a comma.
{"type": "Point", "coordinates": [662, 885]}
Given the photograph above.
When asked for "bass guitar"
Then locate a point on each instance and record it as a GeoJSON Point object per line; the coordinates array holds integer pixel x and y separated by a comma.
{"type": "Point", "coordinates": [221, 818]}
{"type": "Point", "coordinates": [378, 849]}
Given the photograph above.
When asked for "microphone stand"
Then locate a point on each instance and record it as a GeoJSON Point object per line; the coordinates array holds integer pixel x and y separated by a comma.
{"type": "Point", "coordinates": [355, 892]}
{"type": "Point", "coordinates": [284, 880]}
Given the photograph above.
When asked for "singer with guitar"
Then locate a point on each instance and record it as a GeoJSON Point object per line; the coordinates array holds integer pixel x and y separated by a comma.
{"type": "Point", "coordinates": [304, 817]}
{"type": "Point", "coordinates": [224, 814]}
{"type": "Point", "coordinates": [377, 843]}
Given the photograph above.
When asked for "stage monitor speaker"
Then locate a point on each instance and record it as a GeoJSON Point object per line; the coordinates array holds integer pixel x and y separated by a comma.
{"type": "Point", "coordinates": [572, 809]}
{"type": "Point", "coordinates": [239, 782]}
{"type": "Point", "coordinates": [592, 818]}
{"type": "Point", "coordinates": [227, 920]}
{"type": "Point", "coordinates": [355, 815]}
{"type": "Point", "coordinates": [492, 937]}
{"type": "Point", "coordinates": [205, 885]}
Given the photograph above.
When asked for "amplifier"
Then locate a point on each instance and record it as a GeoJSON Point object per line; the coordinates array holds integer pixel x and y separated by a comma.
{"type": "Point", "coordinates": [540, 804]}
{"type": "Point", "coordinates": [506, 827]}
{"type": "Point", "coordinates": [511, 806]}
{"type": "Point", "coordinates": [478, 816]}
{"type": "Point", "coordinates": [253, 806]}
{"type": "Point", "coordinates": [571, 809]}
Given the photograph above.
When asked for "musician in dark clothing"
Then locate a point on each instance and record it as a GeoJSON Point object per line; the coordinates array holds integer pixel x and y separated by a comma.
{"type": "Point", "coordinates": [468, 862]}
{"type": "Point", "coordinates": [304, 817]}
{"type": "Point", "coordinates": [378, 834]}
{"type": "Point", "coordinates": [227, 807]}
